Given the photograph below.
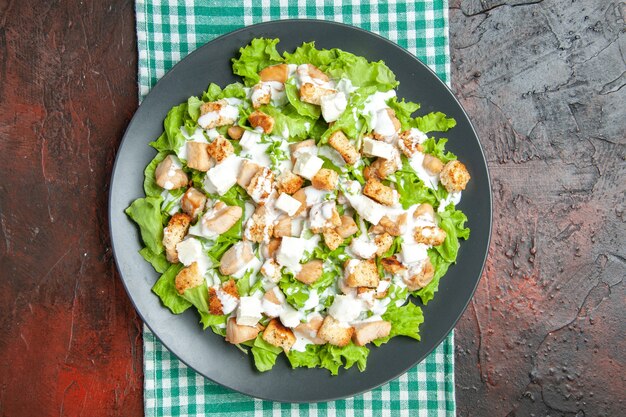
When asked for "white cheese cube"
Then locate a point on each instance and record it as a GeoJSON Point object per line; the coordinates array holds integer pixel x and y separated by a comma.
{"type": "Point", "coordinates": [346, 308]}
{"type": "Point", "coordinates": [290, 252]}
{"type": "Point", "coordinates": [290, 317]}
{"type": "Point", "coordinates": [378, 148]}
{"type": "Point", "coordinates": [363, 248]}
{"type": "Point", "coordinates": [366, 207]}
{"type": "Point", "coordinates": [414, 252]}
{"type": "Point", "coordinates": [333, 105]}
{"type": "Point", "coordinates": [249, 311]}
{"type": "Point", "coordinates": [307, 165]}
{"type": "Point", "coordinates": [223, 176]}
{"type": "Point", "coordinates": [190, 250]}
{"type": "Point", "coordinates": [287, 203]}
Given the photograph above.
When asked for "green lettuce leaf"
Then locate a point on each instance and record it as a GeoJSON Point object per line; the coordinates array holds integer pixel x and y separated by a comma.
{"type": "Point", "coordinates": [310, 358]}
{"type": "Point", "coordinates": [149, 181]}
{"type": "Point", "coordinates": [264, 354]}
{"type": "Point", "coordinates": [332, 357]}
{"type": "Point", "coordinates": [405, 321]}
{"type": "Point", "coordinates": [441, 267]}
{"type": "Point", "coordinates": [412, 190]}
{"type": "Point", "coordinates": [215, 92]}
{"type": "Point", "coordinates": [173, 138]}
{"type": "Point", "coordinates": [437, 148]}
{"type": "Point", "coordinates": [434, 122]}
{"type": "Point", "coordinates": [309, 54]}
{"type": "Point", "coordinates": [260, 53]}
{"type": "Point", "coordinates": [166, 290]}
{"type": "Point", "coordinates": [453, 222]}
{"type": "Point", "coordinates": [193, 107]}
{"type": "Point", "coordinates": [361, 72]}
{"type": "Point", "coordinates": [404, 110]}
{"type": "Point", "coordinates": [304, 109]}
{"type": "Point", "coordinates": [157, 260]}
{"type": "Point", "coordinates": [146, 212]}
{"type": "Point", "coordinates": [288, 118]}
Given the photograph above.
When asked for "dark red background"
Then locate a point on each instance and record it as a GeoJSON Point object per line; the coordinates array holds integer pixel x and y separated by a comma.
{"type": "Point", "coordinates": [543, 83]}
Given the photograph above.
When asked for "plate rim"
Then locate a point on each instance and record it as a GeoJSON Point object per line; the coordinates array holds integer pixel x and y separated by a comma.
{"type": "Point", "coordinates": [399, 48]}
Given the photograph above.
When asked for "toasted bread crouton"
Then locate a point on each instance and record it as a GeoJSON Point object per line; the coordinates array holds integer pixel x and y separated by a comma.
{"type": "Point", "coordinates": [380, 192]}
{"type": "Point", "coordinates": [454, 176]}
{"type": "Point", "coordinates": [419, 277]}
{"type": "Point", "coordinates": [325, 179]}
{"type": "Point", "coordinates": [334, 332]}
{"type": "Point", "coordinates": [288, 182]}
{"type": "Point", "coordinates": [310, 272]}
{"type": "Point", "coordinates": [236, 333]}
{"type": "Point", "coordinates": [235, 132]}
{"type": "Point", "coordinates": [174, 233]}
{"type": "Point", "coordinates": [409, 142]}
{"type": "Point", "coordinates": [347, 227]}
{"type": "Point", "coordinates": [220, 148]}
{"type": "Point", "coordinates": [278, 335]}
{"type": "Point", "coordinates": [217, 113]}
{"type": "Point", "coordinates": [188, 277]}
{"type": "Point", "coordinates": [261, 185]}
{"type": "Point", "coordinates": [366, 332]}
{"type": "Point", "coordinates": [429, 235]}
{"type": "Point", "coordinates": [424, 210]}
{"type": "Point", "coordinates": [259, 227]}
{"type": "Point", "coordinates": [271, 270]}
{"type": "Point", "coordinates": [193, 202]}
{"type": "Point", "coordinates": [300, 195]}
{"type": "Point", "coordinates": [230, 288]}
{"type": "Point", "coordinates": [261, 94]}
{"type": "Point", "coordinates": [246, 172]}
{"type": "Point", "coordinates": [262, 120]}
{"type": "Point", "coordinates": [392, 265]}
{"type": "Point", "coordinates": [215, 305]}
{"type": "Point", "coordinates": [312, 93]}
{"type": "Point", "coordinates": [383, 242]}
{"type": "Point", "coordinates": [340, 142]}
{"type": "Point", "coordinates": [432, 164]}
{"type": "Point", "coordinates": [332, 239]}
{"type": "Point", "coordinates": [361, 273]}
{"type": "Point", "coordinates": [236, 257]}
{"type": "Point", "coordinates": [310, 329]}
{"type": "Point", "coordinates": [278, 73]}
{"type": "Point", "coordinates": [383, 168]}
{"type": "Point", "coordinates": [198, 156]}
{"type": "Point", "coordinates": [169, 174]}
{"type": "Point", "coordinates": [299, 148]}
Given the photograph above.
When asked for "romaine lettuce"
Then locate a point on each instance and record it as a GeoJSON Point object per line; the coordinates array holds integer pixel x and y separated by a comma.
{"type": "Point", "coordinates": [146, 212]}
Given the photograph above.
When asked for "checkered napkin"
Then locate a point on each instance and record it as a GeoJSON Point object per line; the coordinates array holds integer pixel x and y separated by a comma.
{"type": "Point", "coordinates": [166, 32]}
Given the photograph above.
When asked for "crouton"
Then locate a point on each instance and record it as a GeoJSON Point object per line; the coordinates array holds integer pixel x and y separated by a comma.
{"type": "Point", "coordinates": [432, 164]}
{"type": "Point", "coordinates": [230, 288]}
{"type": "Point", "coordinates": [392, 265]}
{"type": "Point", "coordinates": [288, 182]}
{"type": "Point", "coordinates": [217, 113]}
{"type": "Point", "coordinates": [259, 228]}
{"type": "Point", "coordinates": [429, 235]}
{"type": "Point", "coordinates": [340, 142]}
{"type": "Point", "coordinates": [383, 242]}
{"type": "Point", "coordinates": [278, 335]}
{"type": "Point", "coordinates": [310, 272]}
{"type": "Point", "coordinates": [188, 277]}
{"type": "Point", "coordinates": [169, 174]}
{"type": "Point", "coordinates": [299, 148]}
{"type": "Point", "coordinates": [278, 73]}
{"type": "Point", "coordinates": [419, 277]}
{"type": "Point", "coordinates": [300, 195]}
{"type": "Point", "coordinates": [198, 156]}
{"type": "Point", "coordinates": [271, 270]}
{"type": "Point", "coordinates": [261, 185]}
{"type": "Point", "coordinates": [424, 210]}
{"type": "Point", "coordinates": [221, 218]}
{"type": "Point", "coordinates": [193, 202]}
{"type": "Point", "coordinates": [174, 233]}
{"type": "Point", "coordinates": [325, 179]}
{"type": "Point", "coordinates": [246, 172]}
{"type": "Point", "coordinates": [334, 332]}
{"type": "Point", "coordinates": [312, 93]}
{"type": "Point", "coordinates": [236, 333]}
{"type": "Point", "coordinates": [220, 148]}
{"type": "Point", "coordinates": [382, 168]}
{"type": "Point", "coordinates": [361, 273]}
{"type": "Point", "coordinates": [380, 192]}
{"type": "Point", "coordinates": [235, 132]}
{"type": "Point", "coordinates": [347, 227]}
{"type": "Point", "coordinates": [262, 120]}
{"type": "Point", "coordinates": [310, 329]}
{"type": "Point", "coordinates": [215, 305]}
{"type": "Point", "coordinates": [332, 239]}
{"type": "Point", "coordinates": [454, 176]}
{"type": "Point", "coordinates": [283, 227]}
{"type": "Point", "coordinates": [236, 257]}
{"type": "Point", "coordinates": [366, 332]}
{"type": "Point", "coordinates": [409, 142]}
{"type": "Point", "coordinates": [260, 94]}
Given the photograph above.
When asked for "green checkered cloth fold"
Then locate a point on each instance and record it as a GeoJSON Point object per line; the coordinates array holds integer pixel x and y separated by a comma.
{"type": "Point", "coordinates": [166, 32]}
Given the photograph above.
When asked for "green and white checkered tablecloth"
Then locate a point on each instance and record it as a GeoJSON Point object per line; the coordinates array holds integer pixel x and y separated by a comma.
{"type": "Point", "coordinates": [167, 30]}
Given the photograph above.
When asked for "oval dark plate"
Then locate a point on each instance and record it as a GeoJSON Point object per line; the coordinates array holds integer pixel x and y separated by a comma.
{"type": "Point", "coordinates": [208, 353]}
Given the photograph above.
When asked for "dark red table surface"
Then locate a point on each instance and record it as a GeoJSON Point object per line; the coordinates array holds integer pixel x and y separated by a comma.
{"type": "Point", "coordinates": [542, 81]}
